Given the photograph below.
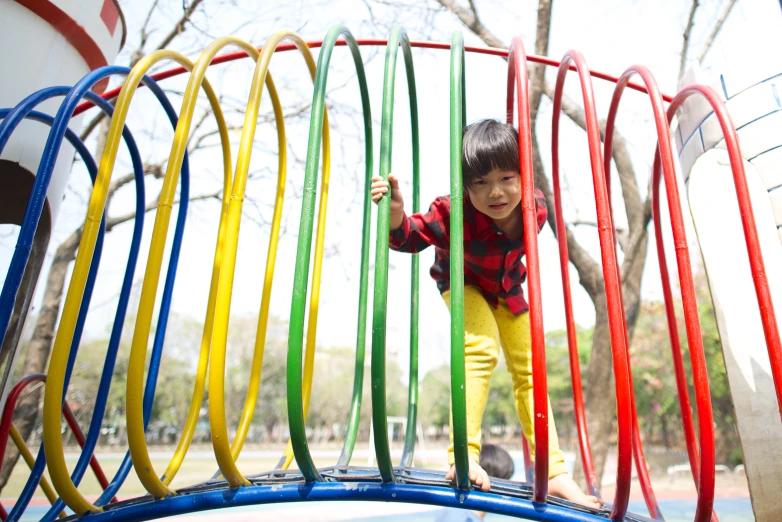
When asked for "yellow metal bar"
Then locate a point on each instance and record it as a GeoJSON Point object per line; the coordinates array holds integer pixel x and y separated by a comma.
{"type": "Point", "coordinates": [134, 412]}
{"type": "Point", "coordinates": [226, 456]}
{"type": "Point", "coordinates": [271, 259]}
{"type": "Point", "coordinates": [54, 391]}
{"type": "Point", "coordinates": [24, 451]}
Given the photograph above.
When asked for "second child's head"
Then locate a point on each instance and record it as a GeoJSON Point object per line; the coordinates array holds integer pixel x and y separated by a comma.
{"type": "Point", "coordinates": [496, 462]}
{"type": "Point", "coordinates": [490, 167]}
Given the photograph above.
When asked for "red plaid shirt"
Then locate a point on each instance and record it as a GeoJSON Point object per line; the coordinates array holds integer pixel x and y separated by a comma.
{"type": "Point", "coordinates": [492, 261]}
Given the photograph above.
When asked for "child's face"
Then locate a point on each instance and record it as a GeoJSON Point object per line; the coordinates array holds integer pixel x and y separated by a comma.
{"type": "Point", "coordinates": [496, 194]}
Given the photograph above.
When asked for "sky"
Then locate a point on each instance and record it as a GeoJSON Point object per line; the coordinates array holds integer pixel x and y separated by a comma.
{"type": "Point", "coordinates": [612, 35]}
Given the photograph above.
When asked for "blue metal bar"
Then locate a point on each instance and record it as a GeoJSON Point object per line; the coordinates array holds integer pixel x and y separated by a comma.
{"type": "Point", "coordinates": [72, 98]}
{"type": "Point", "coordinates": [35, 475]}
{"type": "Point", "coordinates": [324, 491]}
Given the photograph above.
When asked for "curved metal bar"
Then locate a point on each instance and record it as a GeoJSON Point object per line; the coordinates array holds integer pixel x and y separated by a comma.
{"type": "Point", "coordinates": [663, 137]}
{"type": "Point", "coordinates": [135, 401]}
{"type": "Point", "coordinates": [92, 169]}
{"type": "Point", "coordinates": [379, 416]}
{"type": "Point", "coordinates": [351, 433]}
{"type": "Point", "coordinates": [492, 51]}
{"type": "Point", "coordinates": [9, 124]}
{"type": "Point", "coordinates": [116, 332]}
{"type": "Point", "coordinates": [517, 70]}
{"type": "Point", "coordinates": [24, 451]}
{"type": "Point", "coordinates": [458, 117]}
{"type": "Point", "coordinates": [6, 423]}
{"type": "Point", "coordinates": [60, 353]}
{"type": "Point", "coordinates": [757, 266]}
{"type": "Point", "coordinates": [295, 391]}
{"type": "Point", "coordinates": [119, 318]}
{"type": "Point", "coordinates": [408, 449]}
{"type": "Point", "coordinates": [325, 491]}
{"type": "Point", "coordinates": [610, 270]}
{"type": "Point", "coordinates": [697, 357]}
{"type": "Point", "coordinates": [223, 450]}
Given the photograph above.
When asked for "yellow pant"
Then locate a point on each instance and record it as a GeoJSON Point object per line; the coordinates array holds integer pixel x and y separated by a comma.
{"type": "Point", "coordinates": [485, 329]}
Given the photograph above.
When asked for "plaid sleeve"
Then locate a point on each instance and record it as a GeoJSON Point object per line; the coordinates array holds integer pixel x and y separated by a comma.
{"type": "Point", "coordinates": [542, 209]}
{"type": "Point", "coordinates": [421, 230]}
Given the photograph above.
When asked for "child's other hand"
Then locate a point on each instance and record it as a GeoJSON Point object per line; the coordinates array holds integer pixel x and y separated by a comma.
{"type": "Point", "coordinates": [477, 475]}
{"type": "Point", "coordinates": [380, 187]}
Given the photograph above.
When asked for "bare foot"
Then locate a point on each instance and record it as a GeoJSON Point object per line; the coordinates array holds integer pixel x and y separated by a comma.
{"type": "Point", "coordinates": [477, 476]}
{"type": "Point", "coordinates": [563, 486]}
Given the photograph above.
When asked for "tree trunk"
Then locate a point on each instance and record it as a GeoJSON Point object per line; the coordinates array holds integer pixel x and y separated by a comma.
{"type": "Point", "coordinates": [599, 383]}
{"type": "Point", "coordinates": [37, 355]}
{"type": "Point", "coordinates": [599, 391]}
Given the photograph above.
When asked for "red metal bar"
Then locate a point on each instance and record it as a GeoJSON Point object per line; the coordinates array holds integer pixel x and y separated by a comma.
{"type": "Point", "coordinates": [659, 112]}
{"type": "Point", "coordinates": [517, 77]}
{"type": "Point", "coordinates": [664, 157]}
{"type": "Point", "coordinates": [7, 419]}
{"type": "Point", "coordinates": [610, 271]}
{"type": "Point", "coordinates": [10, 406]}
{"type": "Point", "coordinates": [757, 266]}
{"type": "Point", "coordinates": [593, 483]}
{"type": "Point", "coordinates": [492, 51]}
{"type": "Point", "coordinates": [673, 334]}
{"type": "Point", "coordinates": [575, 367]}
{"type": "Point", "coordinates": [706, 476]}
{"type": "Point", "coordinates": [79, 434]}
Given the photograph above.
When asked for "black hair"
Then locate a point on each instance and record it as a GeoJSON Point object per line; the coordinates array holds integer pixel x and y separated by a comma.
{"type": "Point", "coordinates": [488, 145]}
{"type": "Point", "coordinates": [496, 462]}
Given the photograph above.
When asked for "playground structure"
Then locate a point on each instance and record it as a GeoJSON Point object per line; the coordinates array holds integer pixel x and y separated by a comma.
{"type": "Point", "coordinates": [387, 482]}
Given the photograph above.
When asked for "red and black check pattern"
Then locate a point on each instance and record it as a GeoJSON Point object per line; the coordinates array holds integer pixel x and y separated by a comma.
{"type": "Point", "coordinates": [492, 261]}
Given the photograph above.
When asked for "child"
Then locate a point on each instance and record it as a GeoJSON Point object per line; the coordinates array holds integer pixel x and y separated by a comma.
{"type": "Point", "coordinates": [495, 312]}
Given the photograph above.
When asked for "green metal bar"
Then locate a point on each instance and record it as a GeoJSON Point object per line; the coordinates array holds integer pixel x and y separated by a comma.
{"type": "Point", "coordinates": [379, 415]}
{"type": "Point", "coordinates": [301, 274]}
{"type": "Point", "coordinates": [363, 293]}
{"type": "Point", "coordinates": [412, 389]}
{"type": "Point", "coordinates": [458, 396]}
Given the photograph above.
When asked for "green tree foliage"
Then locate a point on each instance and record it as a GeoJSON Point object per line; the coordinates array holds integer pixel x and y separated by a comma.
{"type": "Point", "coordinates": [435, 396]}
{"type": "Point", "coordinates": [329, 406]}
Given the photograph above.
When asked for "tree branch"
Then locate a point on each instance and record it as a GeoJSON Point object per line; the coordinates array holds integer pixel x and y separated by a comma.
{"type": "Point", "coordinates": [715, 31]}
{"type": "Point", "coordinates": [92, 125]}
{"type": "Point", "coordinates": [622, 234]}
{"type": "Point", "coordinates": [590, 275]}
{"type": "Point", "coordinates": [686, 43]}
{"type": "Point", "coordinates": [621, 156]}
{"type": "Point", "coordinates": [144, 33]}
{"type": "Point", "coordinates": [473, 23]}
{"type": "Point", "coordinates": [180, 25]}
{"type": "Point", "coordinates": [112, 222]}
{"type": "Point", "coordinates": [537, 73]}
